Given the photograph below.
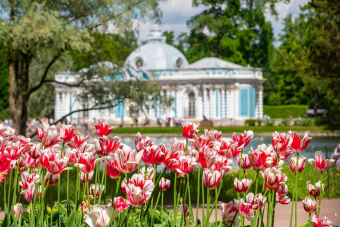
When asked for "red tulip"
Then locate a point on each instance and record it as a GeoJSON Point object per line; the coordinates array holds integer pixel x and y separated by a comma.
{"type": "Point", "coordinates": [309, 205]}
{"type": "Point", "coordinates": [139, 190]}
{"type": "Point", "coordinates": [246, 164]}
{"type": "Point", "coordinates": [152, 154]}
{"type": "Point", "coordinates": [243, 139]}
{"type": "Point", "coordinates": [255, 159]}
{"type": "Point", "coordinates": [86, 162]}
{"type": "Point", "coordinates": [77, 140]}
{"type": "Point", "coordinates": [228, 148]}
{"type": "Point", "coordinates": [28, 193]}
{"type": "Point", "coordinates": [120, 204]}
{"type": "Point", "coordinates": [281, 195]}
{"type": "Point", "coordinates": [71, 154]}
{"type": "Point", "coordinates": [229, 210]}
{"type": "Point", "coordinates": [185, 165]}
{"type": "Point", "coordinates": [315, 190]}
{"type": "Point", "coordinates": [242, 185]}
{"type": "Point", "coordinates": [298, 144]}
{"type": "Point", "coordinates": [66, 133]}
{"type": "Point", "coordinates": [30, 162]}
{"type": "Point", "coordinates": [103, 128]}
{"type": "Point", "coordinates": [321, 163]}
{"type": "Point", "coordinates": [5, 162]}
{"type": "Point", "coordinates": [3, 143]}
{"type": "Point", "coordinates": [110, 144]}
{"type": "Point", "coordinates": [301, 164]}
{"type": "Point", "coordinates": [258, 201]}
{"type": "Point", "coordinates": [127, 159]}
{"type": "Point", "coordinates": [211, 178]}
{"type": "Point", "coordinates": [321, 223]}
{"type": "Point", "coordinates": [206, 157]}
{"type": "Point", "coordinates": [47, 134]}
{"type": "Point", "coordinates": [111, 167]}
{"type": "Point", "coordinates": [53, 162]}
{"type": "Point", "coordinates": [164, 184]}
{"type": "Point", "coordinates": [220, 163]}
{"type": "Point", "coordinates": [274, 178]}
{"type": "Point", "coordinates": [171, 157]}
{"type": "Point", "coordinates": [190, 130]}
{"type": "Point", "coordinates": [199, 142]}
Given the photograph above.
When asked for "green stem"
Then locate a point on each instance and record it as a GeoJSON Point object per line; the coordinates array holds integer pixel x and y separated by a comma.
{"type": "Point", "coordinates": [273, 208]}
{"type": "Point", "coordinates": [191, 215]}
{"type": "Point", "coordinates": [175, 199]}
{"type": "Point", "coordinates": [198, 192]}
{"type": "Point", "coordinates": [242, 221]}
{"type": "Point", "coordinates": [185, 191]}
{"type": "Point", "coordinates": [203, 204]}
{"type": "Point", "coordinates": [208, 207]}
{"type": "Point", "coordinates": [239, 171]}
{"type": "Point", "coordinates": [320, 195]}
{"type": "Point", "coordinates": [162, 209]}
{"type": "Point", "coordinates": [291, 211]}
{"type": "Point", "coordinates": [268, 212]}
{"type": "Point", "coordinates": [256, 186]}
{"type": "Point", "coordinates": [101, 185]}
{"type": "Point", "coordinates": [67, 190]}
{"type": "Point", "coordinates": [216, 198]}
{"type": "Point", "coordinates": [296, 184]}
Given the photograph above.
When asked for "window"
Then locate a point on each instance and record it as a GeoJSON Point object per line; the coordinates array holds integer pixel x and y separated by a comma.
{"type": "Point", "coordinates": [247, 102]}
{"type": "Point", "coordinates": [138, 63]}
{"type": "Point", "coordinates": [179, 63]}
{"type": "Point", "coordinates": [191, 104]}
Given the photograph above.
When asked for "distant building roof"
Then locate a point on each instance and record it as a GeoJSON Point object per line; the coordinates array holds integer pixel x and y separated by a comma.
{"type": "Point", "coordinates": [213, 62]}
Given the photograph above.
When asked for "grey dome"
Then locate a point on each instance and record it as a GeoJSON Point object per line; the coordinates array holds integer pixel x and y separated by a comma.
{"type": "Point", "coordinates": [155, 55]}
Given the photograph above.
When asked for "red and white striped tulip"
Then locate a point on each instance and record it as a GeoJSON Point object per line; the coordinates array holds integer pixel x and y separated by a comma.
{"type": "Point", "coordinates": [18, 210]}
{"type": "Point", "coordinates": [325, 222]}
{"type": "Point", "coordinates": [301, 165]}
{"type": "Point", "coordinates": [103, 128]}
{"type": "Point", "coordinates": [109, 144]}
{"type": "Point", "coordinates": [297, 144]}
{"type": "Point", "coordinates": [258, 201]}
{"type": "Point", "coordinates": [99, 216]}
{"type": "Point", "coordinates": [229, 210]}
{"type": "Point", "coordinates": [309, 205]}
{"type": "Point", "coordinates": [316, 190]}
{"type": "Point", "coordinates": [28, 180]}
{"type": "Point", "coordinates": [139, 190]}
{"type": "Point", "coordinates": [186, 164]}
{"type": "Point", "coordinates": [281, 142]}
{"type": "Point", "coordinates": [66, 133]}
{"type": "Point", "coordinates": [164, 184]}
{"type": "Point", "coordinates": [242, 185]}
{"type": "Point", "coordinates": [30, 162]}
{"type": "Point", "coordinates": [245, 210]}
{"type": "Point", "coordinates": [321, 163]}
{"type": "Point", "coordinates": [5, 162]}
{"type": "Point", "coordinates": [152, 154]}
{"type": "Point", "coordinates": [243, 138]}
{"type": "Point", "coordinates": [246, 164]}
{"type": "Point", "coordinates": [83, 177]}
{"type": "Point", "coordinates": [274, 178]}
{"type": "Point", "coordinates": [127, 159]}
{"type": "Point", "coordinates": [32, 149]}
{"type": "Point", "coordinates": [28, 193]}
{"type": "Point", "coordinates": [51, 179]}
{"type": "Point", "coordinates": [228, 148]}
{"type": "Point", "coordinates": [53, 162]}
{"type": "Point", "coordinates": [86, 162]}
{"type": "Point", "coordinates": [120, 204]}
{"type": "Point", "coordinates": [212, 178]}
{"type": "Point", "coordinates": [95, 190]}
{"type": "Point", "coordinates": [189, 130]}
{"type": "Point", "coordinates": [48, 134]}
{"type": "Point", "coordinates": [139, 142]}
{"type": "Point", "coordinates": [213, 135]}
{"type": "Point", "coordinates": [77, 140]}
{"type": "Point", "coordinates": [111, 167]}
{"type": "Point", "coordinates": [150, 172]}
{"type": "Point", "coordinates": [71, 154]}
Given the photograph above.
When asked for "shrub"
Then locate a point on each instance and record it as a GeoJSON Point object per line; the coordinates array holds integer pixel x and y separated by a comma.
{"type": "Point", "coordinates": [285, 111]}
{"type": "Point", "coordinates": [250, 122]}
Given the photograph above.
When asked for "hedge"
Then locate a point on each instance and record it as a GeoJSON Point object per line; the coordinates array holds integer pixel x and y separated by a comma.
{"type": "Point", "coordinates": [285, 111]}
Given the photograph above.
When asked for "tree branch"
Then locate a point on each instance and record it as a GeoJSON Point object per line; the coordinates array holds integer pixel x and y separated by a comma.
{"type": "Point", "coordinates": [64, 83]}
{"type": "Point", "coordinates": [43, 78]}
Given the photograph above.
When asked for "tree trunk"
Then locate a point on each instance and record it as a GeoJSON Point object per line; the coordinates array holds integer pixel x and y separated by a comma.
{"type": "Point", "coordinates": [316, 103]}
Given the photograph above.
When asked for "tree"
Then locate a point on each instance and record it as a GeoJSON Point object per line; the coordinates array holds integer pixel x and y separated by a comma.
{"type": "Point", "coordinates": [29, 29]}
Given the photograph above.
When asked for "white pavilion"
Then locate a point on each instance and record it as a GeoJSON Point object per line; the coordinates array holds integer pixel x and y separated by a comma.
{"type": "Point", "coordinates": [210, 88]}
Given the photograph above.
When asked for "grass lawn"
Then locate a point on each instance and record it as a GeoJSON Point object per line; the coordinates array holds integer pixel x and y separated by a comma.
{"type": "Point", "coordinates": [256, 129]}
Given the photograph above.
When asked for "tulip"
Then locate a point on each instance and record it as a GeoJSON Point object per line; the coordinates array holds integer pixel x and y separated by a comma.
{"type": "Point", "coordinates": [164, 184]}
{"type": "Point", "coordinates": [302, 164]}
{"type": "Point", "coordinates": [30, 162]}
{"type": "Point", "coordinates": [53, 162]}
{"type": "Point", "coordinates": [71, 154]}
{"type": "Point", "coordinates": [120, 204]}
{"type": "Point", "coordinates": [258, 201]}
{"type": "Point", "coordinates": [199, 142]}
{"type": "Point", "coordinates": [211, 178]}
{"type": "Point", "coordinates": [297, 144]}
{"type": "Point", "coordinates": [321, 163]}
{"type": "Point", "coordinates": [228, 148]}
{"type": "Point", "coordinates": [109, 144]}
{"type": "Point", "coordinates": [255, 159]}
{"type": "Point", "coordinates": [185, 211]}
{"type": "Point", "coordinates": [139, 142]}
{"type": "Point", "coordinates": [282, 199]}
{"type": "Point", "coordinates": [283, 190]}
{"type": "Point", "coordinates": [241, 185]}
{"type": "Point", "coordinates": [274, 178]}
{"type": "Point", "coordinates": [5, 162]}
{"type": "Point", "coordinates": [99, 216]}
{"type": "Point", "coordinates": [171, 158]}
{"type": "Point", "coordinates": [281, 142]}
{"type": "Point", "coordinates": [220, 163]}
{"type": "Point", "coordinates": [139, 190]}
{"type": "Point", "coordinates": [84, 175]}
{"type": "Point", "coordinates": [22, 164]}
{"type": "Point", "coordinates": [309, 205]}
{"type": "Point", "coordinates": [28, 193]}
{"type": "Point", "coordinates": [229, 210]}
{"type": "Point", "coordinates": [51, 180]}
{"type": "Point", "coordinates": [66, 133]}
{"type": "Point", "coordinates": [246, 164]}
{"type": "Point", "coordinates": [87, 147]}
{"type": "Point", "coordinates": [206, 157]}
{"type": "Point", "coordinates": [152, 154]}
{"type": "Point", "coordinates": [95, 190]}
{"type": "Point", "coordinates": [3, 176]}
{"type": "Point", "coordinates": [315, 190]}
{"type": "Point", "coordinates": [213, 135]}
{"type": "Point", "coordinates": [149, 173]}
{"type": "Point", "coordinates": [84, 207]}
{"type": "Point", "coordinates": [103, 128]}
{"type": "Point", "coordinates": [111, 167]}
{"type": "Point", "coordinates": [86, 162]}
{"type": "Point", "coordinates": [321, 223]}
{"type": "Point", "coordinates": [77, 140]}
{"type": "Point", "coordinates": [190, 130]}
{"type": "Point", "coordinates": [47, 134]}
{"type": "Point", "coordinates": [18, 210]}
{"type": "Point", "coordinates": [243, 139]}
{"type": "Point", "coordinates": [245, 210]}
{"type": "Point", "coordinates": [123, 186]}
{"type": "Point", "coordinates": [186, 165]}
{"type": "Point", "coordinates": [28, 180]}
{"type": "Point", "coordinates": [127, 159]}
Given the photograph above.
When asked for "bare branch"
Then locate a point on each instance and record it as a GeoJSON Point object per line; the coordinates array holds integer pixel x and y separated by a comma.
{"type": "Point", "coordinates": [64, 83]}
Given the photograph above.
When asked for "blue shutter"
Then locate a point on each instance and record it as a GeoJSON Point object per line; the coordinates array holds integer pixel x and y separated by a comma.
{"type": "Point", "coordinates": [244, 102]}
{"type": "Point", "coordinates": [119, 109]}
{"type": "Point", "coordinates": [252, 101]}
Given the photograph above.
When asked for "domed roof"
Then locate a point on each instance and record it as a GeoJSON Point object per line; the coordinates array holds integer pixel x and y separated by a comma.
{"type": "Point", "coordinates": [155, 54]}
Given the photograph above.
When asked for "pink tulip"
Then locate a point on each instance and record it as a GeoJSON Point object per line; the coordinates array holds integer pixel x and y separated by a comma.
{"type": "Point", "coordinates": [28, 180]}
{"type": "Point", "coordinates": [66, 133]}
{"type": "Point", "coordinates": [47, 134]}
{"type": "Point", "coordinates": [185, 165]}
{"type": "Point", "coordinates": [246, 164]}
{"type": "Point", "coordinates": [274, 178]}
{"type": "Point", "coordinates": [211, 178]}
{"type": "Point", "coordinates": [229, 210]}
{"type": "Point", "coordinates": [111, 167]}
{"type": "Point", "coordinates": [110, 144]}
{"type": "Point", "coordinates": [321, 163]}
{"type": "Point", "coordinates": [86, 162]}
{"type": "Point", "coordinates": [298, 144]}
{"type": "Point", "coordinates": [164, 184]}
{"type": "Point", "coordinates": [120, 204]}
{"type": "Point", "coordinates": [245, 210]}
{"type": "Point", "coordinates": [309, 205]}
{"type": "Point", "coordinates": [139, 190]}
{"type": "Point", "coordinates": [242, 185]}
{"type": "Point", "coordinates": [281, 142]}
{"type": "Point", "coordinates": [149, 173]}
{"type": "Point", "coordinates": [83, 177]}
{"type": "Point", "coordinates": [95, 190]}
{"type": "Point", "coordinates": [18, 210]}
{"type": "Point", "coordinates": [51, 179]}
{"type": "Point", "coordinates": [301, 165]}
{"type": "Point", "coordinates": [190, 130]}
{"type": "Point", "coordinates": [315, 190]}
{"type": "Point", "coordinates": [77, 140]}
{"type": "Point", "coordinates": [321, 223]}
{"type": "Point", "coordinates": [103, 128]}
{"type": "Point", "coordinates": [127, 159]}
{"type": "Point", "coordinates": [243, 139]}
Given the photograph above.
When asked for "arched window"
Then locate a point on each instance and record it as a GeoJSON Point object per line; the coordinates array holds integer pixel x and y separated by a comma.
{"type": "Point", "coordinates": [191, 104]}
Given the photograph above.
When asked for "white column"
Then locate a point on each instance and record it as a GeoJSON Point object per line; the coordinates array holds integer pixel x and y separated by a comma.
{"type": "Point", "coordinates": [212, 104]}
{"type": "Point", "coordinates": [223, 106]}
{"type": "Point", "coordinates": [205, 103]}
{"type": "Point", "coordinates": [260, 104]}
{"type": "Point", "coordinates": [228, 103]}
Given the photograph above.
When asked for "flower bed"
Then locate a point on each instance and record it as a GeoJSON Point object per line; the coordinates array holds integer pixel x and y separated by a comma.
{"type": "Point", "coordinates": [128, 192]}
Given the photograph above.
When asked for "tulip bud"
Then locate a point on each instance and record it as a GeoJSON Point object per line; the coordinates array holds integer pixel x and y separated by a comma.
{"type": "Point", "coordinates": [241, 185]}
{"type": "Point", "coordinates": [164, 184]}
{"type": "Point", "coordinates": [66, 133]}
{"type": "Point", "coordinates": [120, 204]}
{"type": "Point", "coordinates": [190, 130]}
{"type": "Point", "coordinates": [309, 205]}
{"type": "Point", "coordinates": [95, 190]}
{"type": "Point", "coordinates": [274, 178]}
{"type": "Point", "coordinates": [315, 191]}
{"type": "Point", "coordinates": [301, 165]}
{"type": "Point", "coordinates": [246, 164]}
{"type": "Point", "coordinates": [18, 210]}
{"type": "Point", "coordinates": [321, 163]}
{"type": "Point", "coordinates": [212, 178]}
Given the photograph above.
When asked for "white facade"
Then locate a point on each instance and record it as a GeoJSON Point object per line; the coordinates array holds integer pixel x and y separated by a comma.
{"type": "Point", "coordinates": [212, 88]}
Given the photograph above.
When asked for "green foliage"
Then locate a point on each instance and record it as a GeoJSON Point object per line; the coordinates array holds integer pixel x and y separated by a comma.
{"type": "Point", "coordinates": [285, 111]}
{"type": "Point", "coordinates": [4, 84]}
{"type": "Point", "coordinates": [250, 122]}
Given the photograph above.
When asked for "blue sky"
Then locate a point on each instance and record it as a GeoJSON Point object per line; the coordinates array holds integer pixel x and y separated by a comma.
{"type": "Point", "coordinates": [177, 12]}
